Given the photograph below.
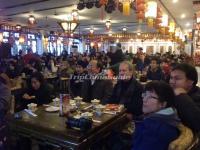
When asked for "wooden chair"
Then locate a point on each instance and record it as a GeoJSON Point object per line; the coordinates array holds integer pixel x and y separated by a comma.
{"type": "Point", "coordinates": [187, 140]}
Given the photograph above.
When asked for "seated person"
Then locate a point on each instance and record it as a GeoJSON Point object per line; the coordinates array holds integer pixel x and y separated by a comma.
{"type": "Point", "coordinates": [159, 126]}
{"type": "Point", "coordinates": [39, 91]}
{"type": "Point", "coordinates": [183, 80]}
{"type": "Point", "coordinates": [95, 87]}
{"type": "Point", "coordinates": [5, 97]}
{"type": "Point", "coordinates": [77, 79]}
{"type": "Point", "coordinates": [154, 72]}
{"type": "Point", "coordinates": [127, 91]}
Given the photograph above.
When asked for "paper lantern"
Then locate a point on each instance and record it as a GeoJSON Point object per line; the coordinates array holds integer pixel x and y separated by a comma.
{"type": "Point", "coordinates": [151, 11]}
{"type": "Point", "coordinates": [172, 27]}
{"type": "Point", "coordinates": [164, 20]}
{"type": "Point", "coordinates": [126, 8]}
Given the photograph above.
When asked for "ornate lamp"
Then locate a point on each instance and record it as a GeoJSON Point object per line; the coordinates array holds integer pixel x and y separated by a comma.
{"type": "Point", "coordinates": [68, 26]}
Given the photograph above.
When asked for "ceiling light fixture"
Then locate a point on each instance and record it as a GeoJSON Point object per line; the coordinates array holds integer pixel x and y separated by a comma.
{"type": "Point", "coordinates": [75, 15]}
{"type": "Point", "coordinates": [182, 16]}
{"type": "Point", "coordinates": [175, 1]}
{"type": "Point", "coordinates": [91, 30]}
{"type": "Point", "coordinates": [68, 26]}
{"type": "Point", "coordinates": [108, 24]}
{"type": "Point", "coordinates": [187, 24]}
{"type": "Point", "coordinates": [124, 29]}
{"type": "Point", "coordinates": [31, 20]}
{"type": "Point", "coordinates": [18, 27]}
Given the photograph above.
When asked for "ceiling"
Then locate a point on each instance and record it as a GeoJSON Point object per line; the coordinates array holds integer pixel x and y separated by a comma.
{"type": "Point", "coordinates": [49, 12]}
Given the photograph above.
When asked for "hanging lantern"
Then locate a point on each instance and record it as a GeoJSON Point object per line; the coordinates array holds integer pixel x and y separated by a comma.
{"type": "Point", "coordinates": [92, 44]}
{"type": "Point", "coordinates": [151, 13]}
{"type": "Point", "coordinates": [126, 6]}
{"type": "Point", "coordinates": [140, 8]}
{"type": "Point", "coordinates": [172, 27]}
{"type": "Point", "coordinates": [164, 20]}
{"type": "Point", "coordinates": [21, 40]}
{"type": "Point", "coordinates": [99, 45]}
{"type": "Point", "coordinates": [177, 32]}
{"type": "Point", "coordinates": [91, 30]}
{"type": "Point", "coordinates": [18, 27]}
{"type": "Point", "coordinates": [103, 2]}
{"type": "Point", "coordinates": [75, 15]}
{"type": "Point", "coordinates": [151, 10]}
{"type": "Point", "coordinates": [140, 17]}
{"type": "Point", "coordinates": [31, 20]}
{"type": "Point", "coordinates": [108, 24]}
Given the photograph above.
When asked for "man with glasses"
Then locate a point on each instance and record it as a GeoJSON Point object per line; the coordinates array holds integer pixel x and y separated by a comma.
{"type": "Point", "coordinates": [183, 80]}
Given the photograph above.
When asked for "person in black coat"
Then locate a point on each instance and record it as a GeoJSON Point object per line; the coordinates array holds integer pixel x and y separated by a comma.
{"type": "Point", "coordinates": [183, 79]}
{"type": "Point", "coordinates": [128, 91]}
{"type": "Point", "coordinates": [118, 55]}
{"type": "Point", "coordinates": [40, 92]}
{"type": "Point", "coordinates": [154, 72]}
{"type": "Point", "coordinates": [77, 79]}
{"type": "Point", "coordinates": [95, 87]}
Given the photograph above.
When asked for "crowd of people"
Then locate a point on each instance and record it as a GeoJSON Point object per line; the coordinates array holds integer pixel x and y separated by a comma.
{"type": "Point", "coordinates": [170, 97]}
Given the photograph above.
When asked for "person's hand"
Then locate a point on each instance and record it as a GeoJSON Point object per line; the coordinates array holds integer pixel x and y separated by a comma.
{"type": "Point", "coordinates": [129, 116]}
{"type": "Point", "coordinates": [26, 96]}
{"type": "Point", "coordinates": [179, 91]}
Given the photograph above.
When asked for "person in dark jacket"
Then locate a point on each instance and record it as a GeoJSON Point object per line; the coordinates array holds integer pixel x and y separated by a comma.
{"type": "Point", "coordinates": [95, 87]}
{"type": "Point", "coordinates": [5, 97]}
{"type": "Point", "coordinates": [183, 80]}
{"type": "Point", "coordinates": [154, 72]}
{"type": "Point", "coordinates": [40, 92]}
{"type": "Point", "coordinates": [77, 79]}
{"type": "Point", "coordinates": [128, 91]}
{"type": "Point", "coordinates": [159, 126]}
{"type": "Point", "coordinates": [117, 56]}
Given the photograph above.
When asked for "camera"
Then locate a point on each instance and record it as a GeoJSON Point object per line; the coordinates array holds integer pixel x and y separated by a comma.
{"type": "Point", "coordinates": [83, 124]}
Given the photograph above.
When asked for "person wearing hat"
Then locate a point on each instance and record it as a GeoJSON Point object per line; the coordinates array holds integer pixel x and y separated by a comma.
{"type": "Point", "coordinates": [77, 79]}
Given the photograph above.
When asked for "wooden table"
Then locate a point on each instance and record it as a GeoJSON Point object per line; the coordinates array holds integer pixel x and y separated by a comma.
{"type": "Point", "coordinates": [50, 128]}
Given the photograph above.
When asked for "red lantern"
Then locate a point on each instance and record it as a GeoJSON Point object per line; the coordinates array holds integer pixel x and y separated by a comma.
{"type": "Point", "coordinates": [141, 7]}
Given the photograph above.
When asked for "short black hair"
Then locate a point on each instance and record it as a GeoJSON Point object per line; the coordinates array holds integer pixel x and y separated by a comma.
{"type": "Point", "coordinates": [155, 59]}
{"type": "Point", "coordinates": [38, 76]}
{"type": "Point", "coordinates": [163, 90]}
{"type": "Point", "coordinates": [189, 70]}
{"type": "Point", "coordinates": [100, 65]}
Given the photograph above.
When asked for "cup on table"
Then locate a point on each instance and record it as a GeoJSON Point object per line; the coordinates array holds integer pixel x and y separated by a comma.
{"type": "Point", "coordinates": [56, 102]}
{"type": "Point", "coordinates": [99, 110]}
{"type": "Point", "coordinates": [32, 107]}
{"type": "Point", "coordinates": [95, 102]}
{"type": "Point", "coordinates": [78, 100]}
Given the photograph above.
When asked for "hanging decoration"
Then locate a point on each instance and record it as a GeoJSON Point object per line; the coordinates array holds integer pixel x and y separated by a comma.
{"type": "Point", "coordinates": [108, 25]}
{"type": "Point", "coordinates": [75, 15]}
{"type": "Point", "coordinates": [31, 20]}
{"type": "Point", "coordinates": [151, 12]}
{"type": "Point", "coordinates": [172, 27]}
{"type": "Point", "coordinates": [140, 9]}
{"type": "Point", "coordinates": [21, 39]}
{"type": "Point", "coordinates": [158, 19]}
{"type": "Point", "coordinates": [126, 6]}
{"type": "Point", "coordinates": [164, 24]}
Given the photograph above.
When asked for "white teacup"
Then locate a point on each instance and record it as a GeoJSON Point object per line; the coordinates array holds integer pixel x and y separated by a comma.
{"type": "Point", "coordinates": [32, 107]}
{"type": "Point", "coordinates": [95, 101]}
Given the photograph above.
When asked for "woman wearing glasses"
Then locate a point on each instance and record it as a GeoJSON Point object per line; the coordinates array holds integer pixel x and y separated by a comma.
{"type": "Point", "coordinates": [159, 126]}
